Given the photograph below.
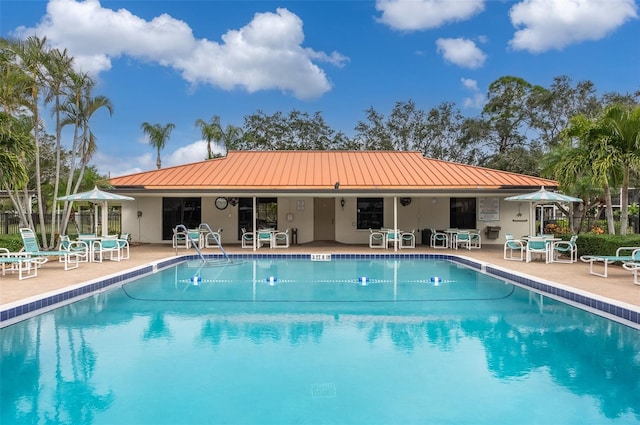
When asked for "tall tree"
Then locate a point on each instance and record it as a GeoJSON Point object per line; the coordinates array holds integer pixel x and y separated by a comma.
{"type": "Point", "coordinates": [158, 137]}
{"type": "Point", "coordinates": [59, 67]}
{"type": "Point", "coordinates": [620, 127]}
{"type": "Point", "coordinates": [78, 109]}
{"type": "Point", "coordinates": [32, 55]}
{"type": "Point", "coordinates": [232, 136]}
{"type": "Point", "coordinates": [211, 132]}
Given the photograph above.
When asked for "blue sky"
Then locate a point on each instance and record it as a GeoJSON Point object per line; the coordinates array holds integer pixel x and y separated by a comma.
{"type": "Point", "coordinates": [177, 61]}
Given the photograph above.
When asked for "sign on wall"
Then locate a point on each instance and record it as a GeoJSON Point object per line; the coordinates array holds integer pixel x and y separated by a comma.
{"type": "Point", "coordinates": [489, 209]}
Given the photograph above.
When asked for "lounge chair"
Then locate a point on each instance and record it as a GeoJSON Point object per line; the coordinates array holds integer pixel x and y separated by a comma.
{"type": "Point", "coordinates": [567, 248]}
{"type": "Point", "coordinates": [16, 261]}
{"type": "Point", "coordinates": [610, 259]}
{"type": "Point", "coordinates": [32, 249]}
{"type": "Point", "coordinates": [512, 245]}
{"type": "Point", "coordinates": [635, 269]}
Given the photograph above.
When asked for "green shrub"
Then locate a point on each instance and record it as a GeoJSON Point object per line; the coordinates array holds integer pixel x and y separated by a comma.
{"type": "Point", "coordinates": [12, 242]}
{"type": "Point", "coordinates": [593, 244]}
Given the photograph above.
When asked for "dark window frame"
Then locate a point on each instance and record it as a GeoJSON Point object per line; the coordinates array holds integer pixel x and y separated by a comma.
{"type": "Point", "coordinates": [369, 213]}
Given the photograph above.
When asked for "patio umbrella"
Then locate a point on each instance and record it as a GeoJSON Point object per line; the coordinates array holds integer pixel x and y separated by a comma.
{"type": "Point", "coordinates": [541, 196]}
{"type": "Point", "coordinates": [97, 197]}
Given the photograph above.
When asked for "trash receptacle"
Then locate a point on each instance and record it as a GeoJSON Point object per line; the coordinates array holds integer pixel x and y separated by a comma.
{"type": "Point", "coordinates": [492, 232]}
{"type": "Point", "coordinates": [426, 236]}
{"type": "Point", "coordinates": [294, 236]}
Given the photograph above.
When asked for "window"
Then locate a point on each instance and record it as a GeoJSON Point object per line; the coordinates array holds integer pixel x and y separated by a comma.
{"type": "Point", "coordinates": [462, 213]}
{"type": "Point", "coordinates": [266, 216]}
{"type": "Point", "coordinates": [370, 213]}
{"type": "Point", "coordinates": [176, 211]}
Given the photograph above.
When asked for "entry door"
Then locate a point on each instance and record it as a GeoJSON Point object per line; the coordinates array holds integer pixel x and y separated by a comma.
{"type": "Point", "coordinates": [324, 219]}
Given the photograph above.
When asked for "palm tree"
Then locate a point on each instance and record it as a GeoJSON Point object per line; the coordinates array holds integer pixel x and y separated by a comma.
{"type": "Point", "coordinates": [232, 136]}
{"type": "Point", "coordinates": [77, 110]}
{"type": "Point", "coordinates": [158, 136]}
{"type": "Point", "coordinates": [59, 67]}
{"type": "Point", "coordinates": [32, 55]}
{"type": "Point", "coordinates": [211, 131]}
{"type": "Point", "coordinates": [620, 126]}
{"type": "Point", "coordinates": [15, 149]}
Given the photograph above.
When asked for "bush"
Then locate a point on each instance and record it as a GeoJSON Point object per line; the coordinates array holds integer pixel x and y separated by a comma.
{"type": "Point", "coordinates": [595, 244]}
{"type": "Point", "coordinates": [12, 242]}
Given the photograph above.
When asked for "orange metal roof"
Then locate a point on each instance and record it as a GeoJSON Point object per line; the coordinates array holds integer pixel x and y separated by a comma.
{"type": "Point", "coordinates": [287, 171]}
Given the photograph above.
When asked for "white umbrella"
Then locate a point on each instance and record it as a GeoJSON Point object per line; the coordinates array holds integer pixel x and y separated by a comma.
{"type": "Point", "coordinates": [540, 197]}
{"type": "Point", "coordinates": [98, 197]}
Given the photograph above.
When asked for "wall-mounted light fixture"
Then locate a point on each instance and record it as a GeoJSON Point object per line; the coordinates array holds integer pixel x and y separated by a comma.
{"type": "Point", "coordinates": [342, 203]}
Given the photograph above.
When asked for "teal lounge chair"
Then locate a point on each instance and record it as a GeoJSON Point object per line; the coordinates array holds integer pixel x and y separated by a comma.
{"type": "Point", "coordinates": [16, 261]}
{"type": "Point", "coordinates": [71, 259]}
{"type": "Point", "coordinates": [610, 259]}
{"type": "Point", "coordinates": [635, 269]}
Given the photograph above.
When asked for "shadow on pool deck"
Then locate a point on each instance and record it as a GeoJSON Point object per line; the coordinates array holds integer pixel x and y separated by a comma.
{"type": "Point", "coordinates": [618, 286]}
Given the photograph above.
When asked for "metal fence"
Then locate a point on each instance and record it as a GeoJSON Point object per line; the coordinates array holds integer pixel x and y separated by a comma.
{"type": "Point", "coordinates": [83, 222]}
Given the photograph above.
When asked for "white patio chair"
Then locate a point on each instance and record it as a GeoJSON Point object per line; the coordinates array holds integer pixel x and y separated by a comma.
{"type": "Point", "coordinates": [246, 239]}
{"type": "Point", "coordinates": [537, 246]}
{"type": "Point", "coordinates": [181, 239]}
{"type": "Point", "coordinates": [512, 245]}
{"type": "Point", "coordinates": [568, 248]}
{"type": "Point", "coordinates": [408, 239]}
{"type": "Point", "coordinates": [107, 245]}
{"type": "Point", "coordinates": [439, 239]}
{"type": "Point", "coordinates": [376, 239]}
{"type": "Point", "coordinates": [79, 248]}
{"type": "Point", "coordinates": [281, 239]}
{"type": "Point", "coordinates": [462, 238]}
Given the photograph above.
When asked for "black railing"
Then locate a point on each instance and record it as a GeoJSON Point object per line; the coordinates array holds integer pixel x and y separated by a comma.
{"type": "Point", "coordinates": [84, 222]}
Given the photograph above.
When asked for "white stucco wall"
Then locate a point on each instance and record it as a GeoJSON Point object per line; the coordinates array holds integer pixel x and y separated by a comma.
{"type": "Point", "coordinates": [421, 213]}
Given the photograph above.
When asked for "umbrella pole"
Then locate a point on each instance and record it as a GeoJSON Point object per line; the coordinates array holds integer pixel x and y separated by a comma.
{"type": "Point", "coordinates": [105, 219]}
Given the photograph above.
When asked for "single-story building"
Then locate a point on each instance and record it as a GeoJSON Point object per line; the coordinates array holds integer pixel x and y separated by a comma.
{"type": "Point", "coordinates": [325, 196]}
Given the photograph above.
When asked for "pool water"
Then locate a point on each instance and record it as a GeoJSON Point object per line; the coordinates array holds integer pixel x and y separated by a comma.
{"type": "Point", "coordinates": [279, 341]}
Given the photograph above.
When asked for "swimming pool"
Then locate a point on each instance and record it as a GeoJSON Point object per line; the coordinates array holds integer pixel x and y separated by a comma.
{"type": "Point", "coordinates": [275, 341]}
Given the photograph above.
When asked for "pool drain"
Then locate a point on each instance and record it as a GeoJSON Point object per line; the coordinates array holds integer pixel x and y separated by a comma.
{"type": "Point", "coordinates": [327, 390]}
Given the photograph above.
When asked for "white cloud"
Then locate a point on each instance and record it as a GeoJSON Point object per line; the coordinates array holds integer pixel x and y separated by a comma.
{"type": "Point", "coordinates": [265, 54]}
{"type": "Point", "coordinates": [469, 83]}
{"type": "Point", "coordinates": [477, 99]}
{"type": "Point", "coordinates": [194, 152]}
{"type": "Point", "coordinates": [555, 24]}
{"type": "Point", "coordinates": [415, 15]}
{"type": "Point", "coordinates": [461, 52]}
{"type": "Point", "coordinates": [114, 167]}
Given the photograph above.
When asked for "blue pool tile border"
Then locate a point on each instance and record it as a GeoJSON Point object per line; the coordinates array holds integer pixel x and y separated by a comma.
{"type": "Point", "coordinates": [13, 313]}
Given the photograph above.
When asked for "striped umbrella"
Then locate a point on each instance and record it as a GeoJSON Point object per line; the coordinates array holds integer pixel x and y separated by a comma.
{"type": "Point", "coordinates": [98, 197]}
{"type": "Point", "coordinates": [541, 196]}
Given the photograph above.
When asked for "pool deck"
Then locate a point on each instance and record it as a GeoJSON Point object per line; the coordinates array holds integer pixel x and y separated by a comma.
{"type": "Point", "coordinates": [52, 277]}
